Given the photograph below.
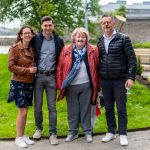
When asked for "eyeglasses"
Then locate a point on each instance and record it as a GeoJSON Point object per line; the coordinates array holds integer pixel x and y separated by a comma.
{"type": "Point", "coordinates": [29, 33]}
{"type": "Point", "coordinates": [107, 22]}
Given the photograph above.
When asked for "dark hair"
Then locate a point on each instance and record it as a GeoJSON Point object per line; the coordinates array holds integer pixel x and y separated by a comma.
{"type": "Point", "coordinates": [108, 15]}
{"type": "Point", "coordinates": [20, 32]}
{"type": "Point", "coordinates": [47, 18]}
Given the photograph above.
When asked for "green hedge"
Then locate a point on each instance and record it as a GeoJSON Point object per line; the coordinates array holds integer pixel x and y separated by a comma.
{"type": "Point", "coordinates": [142, 45]}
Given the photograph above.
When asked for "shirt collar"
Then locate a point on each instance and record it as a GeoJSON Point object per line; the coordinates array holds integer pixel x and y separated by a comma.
{"type": "Point", "coordinates": [113, 34]}
{"type": "Point", "coordinates": [50, 38]}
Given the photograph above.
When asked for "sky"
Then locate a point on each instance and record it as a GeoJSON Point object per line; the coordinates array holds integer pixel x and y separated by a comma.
{"type": "Point", "coordinates": [13, 24]}
{"type": "Point", "coordinates": [103, 2]}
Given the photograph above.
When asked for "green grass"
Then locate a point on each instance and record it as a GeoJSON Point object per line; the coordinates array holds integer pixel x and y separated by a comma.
{"type": "Point", "coordinates": [138, 110]}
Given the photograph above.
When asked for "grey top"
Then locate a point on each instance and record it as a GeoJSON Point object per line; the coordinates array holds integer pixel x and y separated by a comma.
{"type": "Point", "coordinates": [82, 76]}
{"type": "Point", "coordinates": [47, 55]}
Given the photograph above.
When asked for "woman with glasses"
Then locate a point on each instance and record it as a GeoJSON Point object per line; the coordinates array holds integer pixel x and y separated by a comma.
{"type": "Point", "coordinates": [21, 64]}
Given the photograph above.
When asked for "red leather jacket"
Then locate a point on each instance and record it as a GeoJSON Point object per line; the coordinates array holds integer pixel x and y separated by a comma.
{"type": "Point", "coordinates": [65, 63]}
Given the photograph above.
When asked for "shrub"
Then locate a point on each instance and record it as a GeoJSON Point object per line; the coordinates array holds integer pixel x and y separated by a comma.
{"type": "Point", "coordinates": [139, 69]}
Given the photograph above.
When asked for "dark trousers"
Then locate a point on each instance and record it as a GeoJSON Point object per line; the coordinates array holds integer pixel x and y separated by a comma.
{"type": "Point", "coordinates": [114, 90]}
{"type": "Point", "coordinates": [79, 108]}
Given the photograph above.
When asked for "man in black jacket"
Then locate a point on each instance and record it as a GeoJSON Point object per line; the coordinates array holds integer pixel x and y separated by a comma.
{"type": "Point", "coordinates": [117, 70]}
{"type": "Point", "coordinates": [47, 46]}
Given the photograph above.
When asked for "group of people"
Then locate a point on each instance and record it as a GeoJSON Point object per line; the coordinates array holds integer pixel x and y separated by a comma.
{"type": "Point", "coordinates": [40, 62]}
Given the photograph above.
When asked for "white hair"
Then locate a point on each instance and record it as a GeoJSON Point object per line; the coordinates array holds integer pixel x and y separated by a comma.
{"type": "Point", "coordinates": [80, 30]}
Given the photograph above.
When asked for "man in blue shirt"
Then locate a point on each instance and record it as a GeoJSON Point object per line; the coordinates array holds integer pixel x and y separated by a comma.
{"type": "Point", "coordinates": [47, 46]}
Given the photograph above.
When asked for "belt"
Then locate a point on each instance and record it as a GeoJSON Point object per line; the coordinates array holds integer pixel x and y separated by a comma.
{"type": "Point", "coordinates": [46, 73]}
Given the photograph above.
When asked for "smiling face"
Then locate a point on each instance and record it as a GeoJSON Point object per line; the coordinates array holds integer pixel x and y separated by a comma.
{"type": "Point", "coordinates": [47, 27]}
{"type": "Point", "coordinates": [26, 35]}
{"type": "Point", "coordinates": [80, 39]}
{"type": "Point", "coordinates": [107, 25]}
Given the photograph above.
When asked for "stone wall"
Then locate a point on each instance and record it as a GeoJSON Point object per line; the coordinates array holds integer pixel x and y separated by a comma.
{"type": "Point", "coordinates": [138, 30]}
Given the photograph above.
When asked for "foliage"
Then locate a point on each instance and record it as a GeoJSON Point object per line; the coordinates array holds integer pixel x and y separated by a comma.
{"type": "Point", "coordinates": [148, 78]}
{"type": "Point", "coordinates": [66, 13]}
{"type": "Point", "coordinates": [138, 110]}
{"type": "Point", "coordinates": [139, 68]}
{"type": "Point", "coordinates": [121, 11]}
{"type": "Point", "coordinates": [95, 8]}
{"type": "Point", "coordinates": [94, 31]}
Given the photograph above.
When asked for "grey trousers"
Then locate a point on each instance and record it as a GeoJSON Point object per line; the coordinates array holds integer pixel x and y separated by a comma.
{"type": "Point", "coordinates": [79, 108]}
{"type": "Point", "coordinates": [47, 83]}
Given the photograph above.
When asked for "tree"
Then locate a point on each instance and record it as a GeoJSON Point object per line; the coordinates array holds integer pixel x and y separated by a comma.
{"type": "Point", "coordinates": [95, 8]}
{"type": "Point", "coordinates": [93, 26]}
{"type": "Point", "coordinates": [121, 11]}
{"type": "Point", "coordinates": [66, 13]}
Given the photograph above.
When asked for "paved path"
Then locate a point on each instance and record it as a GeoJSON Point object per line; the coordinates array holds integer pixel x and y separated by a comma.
{"type": "Point", "coordinates": [137, 141]}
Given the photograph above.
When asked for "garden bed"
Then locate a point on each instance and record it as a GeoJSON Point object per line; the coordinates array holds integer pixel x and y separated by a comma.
{"type": "Point", "coordinates": [143, 81]}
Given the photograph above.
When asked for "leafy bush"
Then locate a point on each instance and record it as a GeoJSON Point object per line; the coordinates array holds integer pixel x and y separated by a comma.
{"type": "Point", "coordinates": [139, 69]}
{"type": "Point", "coordinates": [148, 78]}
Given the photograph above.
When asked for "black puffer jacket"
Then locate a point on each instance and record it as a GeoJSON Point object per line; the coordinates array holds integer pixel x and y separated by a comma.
{"type": "Point", "coordinates": [120, 61]}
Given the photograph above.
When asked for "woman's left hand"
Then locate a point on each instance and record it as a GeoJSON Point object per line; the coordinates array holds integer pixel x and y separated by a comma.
{"type": "Point", "coordinates": [33, 69]}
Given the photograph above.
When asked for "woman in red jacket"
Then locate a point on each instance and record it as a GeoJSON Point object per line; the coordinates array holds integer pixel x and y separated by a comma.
{"type": "Point", "coordinates": [78, 80]}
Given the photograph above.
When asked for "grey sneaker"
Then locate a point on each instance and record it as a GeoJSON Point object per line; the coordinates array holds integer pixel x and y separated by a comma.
{"type": "Point", "coordinates": [37, 135]}
{"type": "Point", "coordinates": [71, 137]}
{"type": "Point", "coordinates": [53, 139]}
{"type": "Point", "coordinates": [88, 138]}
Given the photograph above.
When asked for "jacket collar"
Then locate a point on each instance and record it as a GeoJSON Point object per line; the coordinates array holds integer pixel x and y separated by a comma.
{"type": "Point", "coordinates": [69, 48]}
{"type": "Point", "coordinates": [112, 35]}
{"type": "Point", "coordinates": [20, 45]}
{"type": "Point", "coordinates": [88, 46]}
{"type": "Point", "coordinates": [41, 36]}
{"type": "Point", "coordinates": [115, 37]}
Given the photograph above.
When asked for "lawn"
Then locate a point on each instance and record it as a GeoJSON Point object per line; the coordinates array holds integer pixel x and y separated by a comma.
{"type": "Point", "coordinates": [138, 110]}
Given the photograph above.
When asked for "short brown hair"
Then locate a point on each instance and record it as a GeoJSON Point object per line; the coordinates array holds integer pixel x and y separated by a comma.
{"type": "Point", "coordinates": [47, 18]}
{"type": "Point", "coordinates": [108, 15]}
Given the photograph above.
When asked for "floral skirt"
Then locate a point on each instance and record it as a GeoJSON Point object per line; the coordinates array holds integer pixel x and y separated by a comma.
{"type": "Point", "coordinates": [21, 93]}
